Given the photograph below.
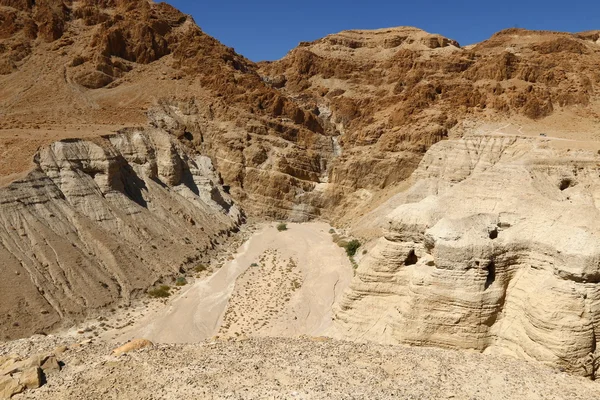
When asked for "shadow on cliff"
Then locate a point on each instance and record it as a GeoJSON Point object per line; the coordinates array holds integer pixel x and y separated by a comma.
{"type": "Point", "coordinates": [133, 185]}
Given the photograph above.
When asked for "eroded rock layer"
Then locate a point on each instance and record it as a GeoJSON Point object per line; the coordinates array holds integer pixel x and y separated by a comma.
{"type": "Point", "coordinates": [317, 133]}
{"type": "Point", "coordinates": [98, 221]}
{"type": "Point", "coordinates": [496, 247]}
{"type": "Point", "coordinates": [392, 93]}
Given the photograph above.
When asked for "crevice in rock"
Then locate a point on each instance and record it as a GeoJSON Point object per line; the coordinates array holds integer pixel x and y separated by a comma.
{"type": "Point", "coordinates": [133, 186]}
{"type": "Point", "coordinates": [188, 180]}
{"type": "Point", "coordinates": [216, 196]}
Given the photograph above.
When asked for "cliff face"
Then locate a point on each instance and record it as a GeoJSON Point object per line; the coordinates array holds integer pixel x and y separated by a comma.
{"type": "Point", "coordinates": [98, 221]}
{"type": "Point", "coordinates": [91, 68]}
{"type": "Point", "coordinates": [496, 248]}
{"type": "Point", "coordinates": [392, 93]}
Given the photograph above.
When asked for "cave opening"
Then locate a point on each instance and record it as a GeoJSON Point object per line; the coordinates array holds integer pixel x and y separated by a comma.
{"type": "Point", "coordinates": [411, 258]}
{"type": "Point", "coordinates": [491, 274]}
{"type": "Point", "coordinates": [564, 184]}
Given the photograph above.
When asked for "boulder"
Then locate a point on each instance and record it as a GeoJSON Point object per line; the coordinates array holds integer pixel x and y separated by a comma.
{"type": "Point", "coordinates": [9, 387]}
{"type": "Point", "coordinates": [60, 349]}
{"type": "Point", "coordinates": [20, 365]}
{"type": "Point", "coordinates": [133, 345]}
{"type": "Point", "coordinates": [6, 362]}
{"type": "Point", "coordinates": [51, 365]}
{"type": "Point", "coordinates": [31, 378]}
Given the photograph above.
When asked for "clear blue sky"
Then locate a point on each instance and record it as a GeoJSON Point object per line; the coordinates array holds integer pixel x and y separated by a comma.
{"type": "Point", "coordinates": [267, 29]}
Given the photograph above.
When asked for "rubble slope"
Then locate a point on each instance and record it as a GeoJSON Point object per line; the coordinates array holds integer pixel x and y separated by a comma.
{"type": "Point", "coordinates": [309, 368]}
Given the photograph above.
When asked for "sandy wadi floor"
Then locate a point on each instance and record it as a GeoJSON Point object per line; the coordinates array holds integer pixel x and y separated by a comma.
{"type": "Point", "coordinates": [277, 284]}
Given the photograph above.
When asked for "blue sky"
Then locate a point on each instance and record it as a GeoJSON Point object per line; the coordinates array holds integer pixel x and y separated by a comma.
{"type": "Point", "coordinates": [267, 30]}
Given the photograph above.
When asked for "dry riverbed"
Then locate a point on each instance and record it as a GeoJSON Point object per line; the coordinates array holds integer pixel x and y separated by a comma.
{"type": "Point", "coordinates": [278, 283]}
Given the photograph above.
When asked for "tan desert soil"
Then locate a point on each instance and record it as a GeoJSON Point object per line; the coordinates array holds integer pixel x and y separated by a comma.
{"type": "Point", "coordinates": [302, 368]}
{"type": "Point", "coordinates": [291, 300]}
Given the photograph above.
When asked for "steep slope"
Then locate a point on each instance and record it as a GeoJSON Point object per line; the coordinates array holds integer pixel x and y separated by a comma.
{"type": "Point", "coordinates": [392, 93]}
{"type": "Point", "coordinates": [98, 221]}
{"type": "Point", "coordinates": [84, 68]}
{"type": "Point", "coordinates": [494, 248]}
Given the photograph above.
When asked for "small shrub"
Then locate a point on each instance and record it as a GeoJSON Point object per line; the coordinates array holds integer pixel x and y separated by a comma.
{"type": "Point", "coordinates": [181, 281]}
{"type": "Point", "coordinates": [200, 268]}
{"type": "Point", "coordinates": [351, 247]}
{"type": "Point", "coordinates": [282, 227]}
{"type": "Point", "coordinates": [160, 292]}
{"type": "Point", "coordinates": [332, 231]}
{"type": "Point", "coordinates": [254, 265]}
{"type": "Point", "coordinates": [364, 251]}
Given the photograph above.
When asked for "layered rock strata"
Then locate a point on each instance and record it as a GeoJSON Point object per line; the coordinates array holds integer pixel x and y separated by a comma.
{"type": "Point", "coordinates": [98, 221]}
{"type": "Point", "coordinates": [496, 248]}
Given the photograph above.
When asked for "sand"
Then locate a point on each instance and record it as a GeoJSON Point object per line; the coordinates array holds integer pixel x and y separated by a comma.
{"type": "Point", "coordinates": [277, 284]}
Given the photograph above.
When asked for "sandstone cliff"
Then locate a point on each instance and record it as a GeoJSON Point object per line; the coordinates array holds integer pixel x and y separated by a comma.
{"type": "Point", "coordinates": [98, 221]}
{"type": "Point", "coordinates": [392, 93]}
{"type": "Point", "coordinates": [495, 247]}
{"type": "Point", "coordinates": [84, 68]}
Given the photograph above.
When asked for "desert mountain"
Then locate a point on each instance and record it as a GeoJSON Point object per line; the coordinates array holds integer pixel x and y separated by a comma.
{"type": "Point", "coordinates": [392, 93]}
{"type": "Point", "coordinates": [104, 65]}
{"type": "Point", "coordinates": [132, 144]}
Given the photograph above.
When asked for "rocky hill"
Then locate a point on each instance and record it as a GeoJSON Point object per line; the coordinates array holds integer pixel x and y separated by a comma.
{"type": "Point", "coordinates": [292, 138]}
{"type": "Point", "coordinates": [98, 221]}
{"type": "Point", "coordinates": [392, 93]}
{"type": "Point", "coordinates": [132, 143]}
{"type": "Point", "coordinates": [86, 66]}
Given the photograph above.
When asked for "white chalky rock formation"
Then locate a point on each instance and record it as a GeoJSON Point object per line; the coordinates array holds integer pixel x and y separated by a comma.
{"type": "Point", "coordinates": [496, 248]}
{"type": "Point", "coordinates": [96, 222]}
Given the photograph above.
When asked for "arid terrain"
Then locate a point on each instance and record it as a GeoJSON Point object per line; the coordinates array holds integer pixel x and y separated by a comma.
{"type": "Point", "coordinates": [299, 368]}
{"type": "Point", "coordinates": [288, 228]}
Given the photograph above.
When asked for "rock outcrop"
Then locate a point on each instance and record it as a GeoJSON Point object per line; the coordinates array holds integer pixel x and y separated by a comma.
{"type": "Point", "coordinates": [496, 247]}
{"type": "Point", "coordinates": [18, 374]}
{"type": "Point", "coordinates": [99, 221]}
{"type": "Point", "coordinates": [392, 93]}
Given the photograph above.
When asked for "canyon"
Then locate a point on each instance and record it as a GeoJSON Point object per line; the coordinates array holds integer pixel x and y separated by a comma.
{"type": "Point", "coordinates": [135, 149]}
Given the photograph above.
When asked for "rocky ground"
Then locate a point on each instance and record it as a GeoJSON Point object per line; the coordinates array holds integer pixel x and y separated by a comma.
{"type": "Point", "coordinates": [294, 368]}
{"type": "Point", "coordinates": [475, 167]}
